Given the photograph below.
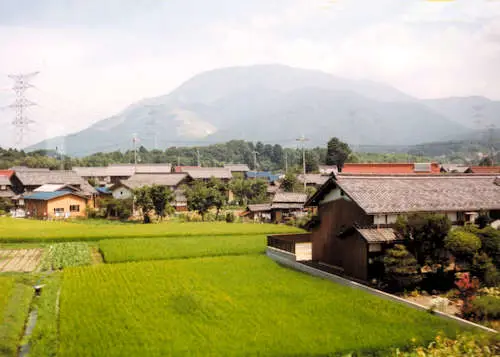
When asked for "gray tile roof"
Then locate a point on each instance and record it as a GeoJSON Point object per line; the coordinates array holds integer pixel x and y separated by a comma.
{"type": "Point", "coordinates": [316, 179]}
{"type": "Point", "coordinates": [4, 180]}
{"type": "Point", "coordinates": [105, 171]}
{"type": "Point", "coordinates": [208, 172]}
{"type": "Point", "coordinates": [143, 168]}
{"type": "Point", "coordinates": [262, 207]}
{"type": "Point", "coordinates": [378, 235]}
{"type": "Point", "coordinates": [237, 167]}
{"type": "Point", "coordinates": [290, 197]}
{"type": "Point", "coordinates": [38, 178]}
{"type": "Point", "coordinates": [400, 194]}
{"type": "Point", "coordinates": [140, 180]}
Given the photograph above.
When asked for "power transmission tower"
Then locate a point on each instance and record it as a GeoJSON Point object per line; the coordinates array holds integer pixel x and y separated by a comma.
{"type": "Point", "coordinates": [21, 104]}
{"type": "Point", "coordinates": [198, 158]}
{"type": "Point", "coordinates": [303, 139]}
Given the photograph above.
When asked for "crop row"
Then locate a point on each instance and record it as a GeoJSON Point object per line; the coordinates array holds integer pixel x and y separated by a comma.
{"type": "Point", "coordinates": [227, 306]}
{"type": "Point", "coordinates": [126, 250]}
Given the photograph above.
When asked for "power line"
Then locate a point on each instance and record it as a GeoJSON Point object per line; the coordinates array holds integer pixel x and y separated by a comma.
{"type": "Point", "coordinates": [21, 121]}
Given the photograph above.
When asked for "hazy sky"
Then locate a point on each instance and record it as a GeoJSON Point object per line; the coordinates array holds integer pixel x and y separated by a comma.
{"type": "Point", "coordinates": [95, 57]}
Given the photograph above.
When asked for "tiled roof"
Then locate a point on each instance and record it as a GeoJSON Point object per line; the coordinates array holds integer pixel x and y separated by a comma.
{"type": "Point", "coordinates": [316, 179]}
{"type": "Point", "coordinates": [45, 196]}
{"type": "Point", "coordinates": [237, 167]}
{"type": "Point", "coordinates": [24, 168]}
{"type": "Point", "coordinates": [378, 235]}
{"type": "Point", "coordinates": [144, 168]}
{"type": "Point", "coordinates": [290, 197]}
{"type": "Point", "coordinates": [280, 205]}
{"type": "Point", "coordinates": [262, 207]}
{"type": "Point", "coordinates": [485, 169]}
{"type": "Point", "coordinates": [34, 178]}
{"type": "Point", "coordinates": [8, 193]}
{"type": "Point", "coordinates": [6, 173]}
{"type": "Point", "coordinates": [105, 171]}
{"type": "Point", "coordinates": [328, 169]}
{"type": "Point", "coordinates": [391, 168]}
{"type": "Point", "coordinates": [140, 180]}
{"type": "Point", "coordinates": [207, 172]}
{"type": "Point", "coordinates": [414, 193]}
{"type": "Point", "coordinates": [4, 180]}
{"type": "Point", "coordinates": [51, 187]}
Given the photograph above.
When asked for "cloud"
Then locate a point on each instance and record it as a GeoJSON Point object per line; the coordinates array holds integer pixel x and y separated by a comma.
{"type": "Point", "coordinates": [95, 63]}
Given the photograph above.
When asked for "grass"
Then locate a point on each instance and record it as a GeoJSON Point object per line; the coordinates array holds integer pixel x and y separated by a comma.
{"type": "Point", "coordinates": [227, 306]}
{"type": "Point", "coordinates": [14, 305]}
{"type": "Point", "coordinates": [44, 339]}
{"type": "Point", "coordinates": [26, 230]}
{"type": "Point", "coordinates": [127, 250]}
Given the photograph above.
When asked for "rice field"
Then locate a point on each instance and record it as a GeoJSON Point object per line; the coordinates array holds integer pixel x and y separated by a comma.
{"type": "Point", "coordinates": [27, 230]}
{"type": "Point", "coordinates": [227, 306]}
{"type": "Point", "coordinates": [127, 250]}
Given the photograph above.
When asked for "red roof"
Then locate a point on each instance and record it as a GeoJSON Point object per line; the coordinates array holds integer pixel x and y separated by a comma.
{"type": "Point", "coordinates": [391, 168]}
{"type": "Point", "coordinates": [7, 173]}
{"type": "Point", "coordinates": [485, 169]}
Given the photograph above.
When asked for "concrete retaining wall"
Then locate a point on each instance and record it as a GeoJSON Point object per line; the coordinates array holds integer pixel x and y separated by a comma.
{"type": "Point", "coordinates": [277, 256]}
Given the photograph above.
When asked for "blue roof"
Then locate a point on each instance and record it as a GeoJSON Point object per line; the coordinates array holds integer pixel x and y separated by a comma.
{"type": "Point", "coordinates": [103, 190]}
{"type": "Point", "coordinates": [263, 174]}
{"type": "Point", "coordinates": [45, 196]}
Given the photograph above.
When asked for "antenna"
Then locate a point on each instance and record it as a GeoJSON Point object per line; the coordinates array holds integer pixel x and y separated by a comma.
{"type": "Point", "coordinates": [21, 104]}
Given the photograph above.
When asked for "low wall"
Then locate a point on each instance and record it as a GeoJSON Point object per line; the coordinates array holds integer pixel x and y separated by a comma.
{"type": "Point", "coordinates": [276, 255]}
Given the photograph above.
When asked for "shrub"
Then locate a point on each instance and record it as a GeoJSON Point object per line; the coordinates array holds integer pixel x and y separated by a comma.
{"type": "Point", "coordinates": [468, 288]}
{"type": "Point", "coordinates": [483, 267]}
{"type": "Point", "coordinates": [490, 242]}
{"type": "Point", "coordinates": [464, 345]}
{"type": "Point", "coordinates": [486, 308]}
{"type": "Point", "coordinates": [483, 220]}
{"type": "Point", "coordinates": [463, 245]}
{"type": "Point", "coordinates": [230, 217]}
{"type": "Point", "coordinates": [401, 269]}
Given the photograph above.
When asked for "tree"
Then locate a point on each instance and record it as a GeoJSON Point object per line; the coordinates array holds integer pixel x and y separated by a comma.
{"type": "Point", "coordinates": [490, 243]}
{"type": "Point", "coordinates": [241, 189]}
{"type": "Point", "coordinates": [289, 182]}
{"type": "Point", "coordinates": [311, 161]}
{"type": "Point", "coordinates": [217, 193]}
{"type": "Point", "coordinates": [337, 153]}
{"type": "Point", "coordinates": [257, 191]}
{"type": "Point", "coordinates": [401, 268]}
{"type": "Point", "coordinates": [424, 236]}
{"type": "Point", "coordinates": [201, 196]}
{"type": "Point", "coordinates": [143, 200]}
{"type": "Point", "coordinates": [463, 245]}
{"type": "Point", "coordinates": [161, 197]}
{"type": "Point", "coordinates": [486, 161]}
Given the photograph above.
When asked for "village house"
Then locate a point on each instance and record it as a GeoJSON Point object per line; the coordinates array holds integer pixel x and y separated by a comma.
{"type": "Point", "coordinates": [328, 169]}
{"type": "Point", "coordinates": [56, 204]}
{"type": "Point", "coordinates": [114, 173]}
{"type": "Point", "coordinates": [284, 205]}
{"type": "Point", "coordinates": [31, 179]}
{"type": "Point", "coordinates": [264, 175]}
{"type": "Point", "coordinates": [357, 213]}
{"type": "Point", "coordinates": [239, 170]}
{"type": "Point", "coordinates": [313, 180]}
{"type": "Point", "coordinates": [483, 170]}
{"type": "Point", "coordinates": [391, 168]}
{"type": "Point", "coordinates": [173, 181]}
{"type": "Point", "coordinates": [10, 186]}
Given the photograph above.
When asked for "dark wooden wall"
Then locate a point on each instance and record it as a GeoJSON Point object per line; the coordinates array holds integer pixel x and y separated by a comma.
{"type": "Point", "coordinates": [335, 217]}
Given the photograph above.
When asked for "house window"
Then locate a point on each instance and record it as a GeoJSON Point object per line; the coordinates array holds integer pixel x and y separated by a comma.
{"type": "Point", "coordinates": [74, 208]}
{"type": "Point", "coordinates": [58, 210]}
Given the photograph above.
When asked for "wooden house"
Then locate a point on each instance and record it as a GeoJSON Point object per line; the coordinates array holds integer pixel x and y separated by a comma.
{"type": "Point", "coordinates": [57, 204]}
{"type": "Point", "coordinates": [357, 213]}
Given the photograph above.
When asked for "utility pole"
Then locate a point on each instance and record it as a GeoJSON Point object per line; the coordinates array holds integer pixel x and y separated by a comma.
{"type": "Point", "coordinates": [198, 157]}
{"type": "Point", "coordinates": [286, 162]}
{"type": "Point", "coordinates": [178, 160]}
{"type": "Point", "coordinates": [134, 141]}
{"type": "Point", "coordinates": [59, 156]}
{"type": "Point", "coordinates": [21, 104]}
{"type": "Point", "coordinates": [303, 139]}
{"type": "Point", "coordinates": [255, 153]}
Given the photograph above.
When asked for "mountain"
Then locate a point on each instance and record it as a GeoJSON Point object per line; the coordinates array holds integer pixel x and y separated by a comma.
{"type": "Point", "coordinates": [471, 112]}
{"type": "Point", "coordinates": [271, 103]}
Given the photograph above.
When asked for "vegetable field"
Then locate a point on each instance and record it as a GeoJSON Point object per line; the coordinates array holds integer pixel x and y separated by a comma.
{"type": "Point", "coordinates": [126, 250]}
{"type": "Point", "coordinates": [223, 306]}
{"type": "Point", "coordinates": [62, 255]}
{"type": "Point", "coordinates": [24, 230]}
{"type": "Point", "coordinates": [19, 260]}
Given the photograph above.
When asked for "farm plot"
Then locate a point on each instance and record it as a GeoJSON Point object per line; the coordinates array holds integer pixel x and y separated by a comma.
{"type": "Point", "coordinates": [127, 250]}
{"type": "Point", "coordinates": [227, 306]}
{"type": "Point", "coordinates": [64, 255]}
{"type": "Point", "coordinates": [19, 260]}
{"type": "Point", "coordinates": [24, 230]}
